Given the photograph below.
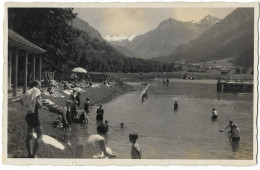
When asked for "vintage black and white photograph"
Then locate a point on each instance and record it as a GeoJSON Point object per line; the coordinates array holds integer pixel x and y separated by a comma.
{"type": "Point", "coordinates": [161, 82]}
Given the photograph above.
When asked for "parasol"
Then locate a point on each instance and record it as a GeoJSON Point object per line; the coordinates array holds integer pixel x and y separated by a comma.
{"type": "Point", "coordinates": [79, 70]}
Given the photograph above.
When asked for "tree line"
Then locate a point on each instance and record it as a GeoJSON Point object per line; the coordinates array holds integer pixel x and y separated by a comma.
{"type": "Point", "coordinates": [67, 47]}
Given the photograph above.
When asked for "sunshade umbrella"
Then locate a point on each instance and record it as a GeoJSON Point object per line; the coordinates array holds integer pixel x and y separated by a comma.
{"type": "Point", "coordinates": [79, 70]}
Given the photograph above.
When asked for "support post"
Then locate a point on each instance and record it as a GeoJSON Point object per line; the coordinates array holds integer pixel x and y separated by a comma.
{"type": "Point", "coordinates": [25, 72]}
{"type": "Point", "coordinates": [10, 56]}
{"type": "Point", "coordinates": [15, 72]}
{"type": "Point", "coordinates": [33, 67]}
{"type": "Point", "coordinates": [40, 68]}
{"type": "Point", "coordinates": [222, 87]}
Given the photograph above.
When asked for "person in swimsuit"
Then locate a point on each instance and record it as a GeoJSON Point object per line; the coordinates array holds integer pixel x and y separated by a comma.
{"type": "Point", "coordinates": [235, 134]}
{"type": "Point", "coordinates": [176, 105]}
{"type": "Point", "coordinates": [135, 150]}
{"type": "Point", "coordinates": [100, 113]}
{"type": "Point", "coordinates": [214, 114]}
{"type": "Point", "coordinates": [77, 98]}
{"type": "Point", "coordinates": [230, 125]}
{"type": "Point", "coordinates": [32, 101]}
{"type": "Point", "coordinates": [73, 95]}
{"type": "Point", "coordinates": [95, 147]}
{"type": "Point", "coordinates": [87, 106]}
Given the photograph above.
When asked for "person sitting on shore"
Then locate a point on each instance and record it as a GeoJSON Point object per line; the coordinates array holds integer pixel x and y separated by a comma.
{"type": "Point", "coordinates": [32, 100]}
{"type": "Point", "coordinates": [95, 147]}
{"type": "Point", "coordinates": [135, 151]}
{"type": "Point", "coordinates": [65, 86]}
{"type": "Point", "coordinates": [90, 83]}
{"type": "Point", "coordinates": [230, 125]}
{"type": "Point", "coordinates": [235, 134]}
{"type": "Point", "coordinates": [100, 113]}
{"type": "Point", "coordinates": [176, 105]}
{"type": "Point", "coordinates": [214, 114]}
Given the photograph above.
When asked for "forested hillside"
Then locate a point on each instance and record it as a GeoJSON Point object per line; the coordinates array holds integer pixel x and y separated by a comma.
{"type": "Point", "coordinates": [68, 47]}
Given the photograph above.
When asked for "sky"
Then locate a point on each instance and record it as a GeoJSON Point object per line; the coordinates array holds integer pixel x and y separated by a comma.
{"type": "Point", "coordinates": [135, 21]}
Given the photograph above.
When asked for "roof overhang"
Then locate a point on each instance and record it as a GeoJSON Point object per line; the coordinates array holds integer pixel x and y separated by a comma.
{"type": "Point", "coordinates": [17, 41]}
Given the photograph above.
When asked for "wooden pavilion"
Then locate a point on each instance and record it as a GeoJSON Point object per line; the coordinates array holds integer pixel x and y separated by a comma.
{"type": "Point", "coordinates": [20, 48]}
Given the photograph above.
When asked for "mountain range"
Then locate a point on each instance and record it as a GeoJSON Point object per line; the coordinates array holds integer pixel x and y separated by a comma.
{"type": "Point", "coordinates": [166, 37]}
{"type": "Point", "coordinates": [233, 37]}
{"type": "Point", "coordinates": [209, 39]}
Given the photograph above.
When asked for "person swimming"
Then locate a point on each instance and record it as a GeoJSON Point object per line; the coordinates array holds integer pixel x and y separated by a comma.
{"type": "Point", "coordinates": [214, 114]}
{"type": "Point", "coordinates": [122, 125]}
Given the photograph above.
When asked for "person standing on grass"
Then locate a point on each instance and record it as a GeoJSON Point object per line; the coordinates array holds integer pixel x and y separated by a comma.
{"type": "Point", "coordinates": [100, 113]}
{"type": "Point", "coordinates": [32, 100]}
{"type": "Point", "coordinates": [135, 151]}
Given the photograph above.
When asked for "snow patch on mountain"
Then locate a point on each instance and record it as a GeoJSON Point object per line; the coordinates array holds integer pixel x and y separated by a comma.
{"type": "Point", "coordinates": [118, 38]}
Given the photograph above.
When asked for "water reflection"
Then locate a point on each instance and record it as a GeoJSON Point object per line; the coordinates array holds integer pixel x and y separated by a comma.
{"type": "Point", "coordinates": [235, 146]}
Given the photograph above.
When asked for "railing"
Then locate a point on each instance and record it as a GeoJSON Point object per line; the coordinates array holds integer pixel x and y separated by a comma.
{"type": "Point", "coordinates": [248, 79]}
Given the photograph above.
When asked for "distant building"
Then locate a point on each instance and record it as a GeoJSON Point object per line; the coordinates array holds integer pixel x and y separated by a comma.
{"type": "Point", "coordinates": [224, 71]}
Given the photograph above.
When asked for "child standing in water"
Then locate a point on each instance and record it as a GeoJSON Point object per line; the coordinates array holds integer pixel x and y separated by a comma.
{"type": "Point", "coordinates": [135, 151]}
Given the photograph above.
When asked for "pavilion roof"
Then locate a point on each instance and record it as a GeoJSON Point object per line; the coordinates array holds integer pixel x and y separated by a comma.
{"type": "Point", "coordinates": [16, 40]}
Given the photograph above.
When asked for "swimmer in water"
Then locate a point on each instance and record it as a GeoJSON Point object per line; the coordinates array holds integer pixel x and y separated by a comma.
{"type": "Point", "coordinates": [214, 114]}
{"type": "Point", "coordinates": [176, 105]}
{"type": "Point", "coordinates": [122, 125]}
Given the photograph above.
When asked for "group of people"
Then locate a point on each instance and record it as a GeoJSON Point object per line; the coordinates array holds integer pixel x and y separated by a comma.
{"type": "Point", "coordinates": [33, 102]}
{"type": "Point", "coordinates": [234, 130]}
{"type": "Point", "coordinates": [166, 82]}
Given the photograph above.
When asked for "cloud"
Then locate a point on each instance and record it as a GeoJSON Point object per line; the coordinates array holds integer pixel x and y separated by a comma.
{"type": "Point", "coordinates": [123, 21]}
{"type": "Point", "coordinates": [127, 21]}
